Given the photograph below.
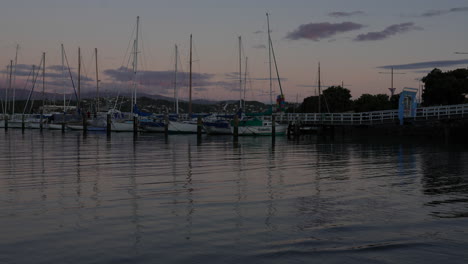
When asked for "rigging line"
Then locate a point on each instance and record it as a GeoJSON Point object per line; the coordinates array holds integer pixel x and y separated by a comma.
{"type": "Point", "coordinates": [32, 89]}
{"type": "Point", "coordinates": [71, 76]}
{"type": "Point", "coordinates": [130, 44]}
{"type": "Point", "coordinates": [6, 85]}
{"type": "Point", "coordinates": [276, 67]}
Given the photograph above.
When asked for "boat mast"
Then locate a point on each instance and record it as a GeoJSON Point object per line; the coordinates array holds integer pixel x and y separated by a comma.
{"type": "Point", "coordinates": [269, 58]}
{"type": "Point", "coordinates": [63, 76]}
{"type": "Point", "coordinates": [78, 104]}
{"type": "Point", "coordinates": [43, 84]}
{"type": "Point", "coordinates": [240, 72]}
{"type": "Point", "coordinates": [14, 81]}
{"type": "Point", "coordinates": [245, 79]}
{"type": "Point", "coordinates": [176, 94]}
{"type": "Point", "coordinates": [97, 82]}
{"type": "Point", "coordinates": [319, 90]}
{"type": "Point", "coordinates": [190, 79]}
{"type": "Point", "coordinates": [135, 65]}
{"type": "Point", "coordinates": [9, 86]}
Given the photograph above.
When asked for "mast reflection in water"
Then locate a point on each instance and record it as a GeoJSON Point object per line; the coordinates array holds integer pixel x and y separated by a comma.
{"type": "Point", "coordinates": [66, 198]}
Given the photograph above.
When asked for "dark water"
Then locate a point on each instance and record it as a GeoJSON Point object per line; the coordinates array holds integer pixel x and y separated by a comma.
{"type": "Point", "coordinates": [69, 199]}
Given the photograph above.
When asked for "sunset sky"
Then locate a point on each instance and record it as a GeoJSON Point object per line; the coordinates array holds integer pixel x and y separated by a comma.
{"type": "Point", "coordinates": [354, 41]}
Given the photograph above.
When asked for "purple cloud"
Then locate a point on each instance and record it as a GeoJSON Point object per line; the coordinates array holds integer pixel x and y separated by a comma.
{"type": "Point", "coordinates": [345, 14]}
{"type": "Point", "coordinates": [260, 46]}
{"type": "Point", "coordinates": [426, 64]}
{"type": "Point", "coordinates": [389, 31]}
{"type": "Point", "coordinates": [159, 81]}
{"type": "Point", "coordinates": [317, 31]}
{"type": "Point", "coordinates": [432, 13]}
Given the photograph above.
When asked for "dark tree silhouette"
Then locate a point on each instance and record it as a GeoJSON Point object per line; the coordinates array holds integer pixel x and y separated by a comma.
{"type": "Point", "coordinates": [445, 88]}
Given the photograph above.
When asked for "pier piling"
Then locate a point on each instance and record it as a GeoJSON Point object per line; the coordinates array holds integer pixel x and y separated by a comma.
{"type": "Point", "coordinates": [199, 126]}
{"type": "Point", "coordinates": [85, 124]}
{"type": "Point", "coordinates": [108, 125]}
{"type": "Point", "coordinates": [273, 127]}
{"type": "Point", "coordinates": [236, 126]}
{"type": "Point", "coordinates": [166, 124]}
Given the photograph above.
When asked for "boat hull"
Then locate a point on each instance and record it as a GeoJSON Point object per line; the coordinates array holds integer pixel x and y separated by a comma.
{"type": "Point", "coordinates": [125, 126]}
{"type": "Point", "coordinates": [183, 127]}
{"type": "Point", "coordinates": [261, 130]}
{"type": "Point", "coordinates": [153, 126]}
{"type": "Point", "coordinates": [217, 128]}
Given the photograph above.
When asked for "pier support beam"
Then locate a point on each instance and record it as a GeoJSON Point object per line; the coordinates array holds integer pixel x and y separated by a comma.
{"type": "Point", "coordinates": [166, 125]}
{"type": "Point", "coordinates": [199, 126]}
{"type": "Point", "coordinates": [85, 124]}
{"type": "Point", "coordinates": [108, 125]}
{"type": "Point", "coordinates": [273, 127]}
{"type": "Point", "coordinates": [23, 125]}
{"type": "Point", "coordinates": [236, 127]}
{"type": "Point", "coordinates": [135, 125]}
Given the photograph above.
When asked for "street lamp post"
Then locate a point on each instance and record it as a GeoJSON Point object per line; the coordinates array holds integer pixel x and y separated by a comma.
{"type": "Point", "coordinates": [392, 89]}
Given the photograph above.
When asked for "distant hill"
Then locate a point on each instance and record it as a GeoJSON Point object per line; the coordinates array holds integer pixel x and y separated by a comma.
{"type": "Point", "coordinates": [146, 102]}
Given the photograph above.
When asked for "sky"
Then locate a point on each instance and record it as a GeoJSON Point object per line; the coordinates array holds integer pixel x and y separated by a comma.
{"type": "Point", "coordinates": [356, 42]}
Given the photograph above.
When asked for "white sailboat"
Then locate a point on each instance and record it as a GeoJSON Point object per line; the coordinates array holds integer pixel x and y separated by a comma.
{"type": "Point", "coordinates": [60, 124]}
{"type": "Point", "coordinates": [254, 125]}
{"type": "Point", "coordinates": [158, 124]}
{"type": "Point", "coordinates": [222, 125]}
{"type": "Point", "coordinates": [186, 126]}
{"type": "Point", "coordinates": [126, 125]}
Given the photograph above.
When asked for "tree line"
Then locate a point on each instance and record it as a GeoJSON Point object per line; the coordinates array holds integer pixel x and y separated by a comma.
{"type": "Point", "coordinates": [440, 88]}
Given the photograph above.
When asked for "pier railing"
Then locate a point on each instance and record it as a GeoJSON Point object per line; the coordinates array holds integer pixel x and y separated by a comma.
{"type": "Point", "coordinates": [375, 117]}
{"type": "Point", "coordinates": [389, 116]}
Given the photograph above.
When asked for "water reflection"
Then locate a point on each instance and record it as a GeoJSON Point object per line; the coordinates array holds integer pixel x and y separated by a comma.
{"type": "Point", "coordinates": [446, 182]}
{"type": "Point", "coordinates": [176, 200]}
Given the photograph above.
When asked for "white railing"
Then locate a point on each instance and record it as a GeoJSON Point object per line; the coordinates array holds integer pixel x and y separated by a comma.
{"type": "Point", "coordinates": [341, 118]}
{"type": "Point", "coordinates": [439, 112]}
{"type": "Point", "coordinates": [387, 116]}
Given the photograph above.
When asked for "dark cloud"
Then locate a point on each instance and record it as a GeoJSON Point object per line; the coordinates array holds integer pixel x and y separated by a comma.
{"type": "Point", "coordinates": [57, 68]}
{"type": "Point", "coordinates": [52, 72]}
{"type": "Point", "coordinates": [159, 81]}
{"type": "Point", "coordinates": [260, 46]}
{"type": "Point", "coordinates": [317, 31]}
{"type": "Point", "coordinates": [426, 64]}
{"type": "Point", "coordinates": [345, 14]}
{"type": "Point", "coordinates": [389, 31]}
{"type": "Point", "coordinates": [432, 13]}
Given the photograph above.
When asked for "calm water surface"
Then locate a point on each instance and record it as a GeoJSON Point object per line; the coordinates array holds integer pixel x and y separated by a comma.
{"type": "Point", "coordinates": [69, 199]}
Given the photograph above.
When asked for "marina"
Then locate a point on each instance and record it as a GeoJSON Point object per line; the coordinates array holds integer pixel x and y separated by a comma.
{"type": "Point", "coordinates": [232, 132]}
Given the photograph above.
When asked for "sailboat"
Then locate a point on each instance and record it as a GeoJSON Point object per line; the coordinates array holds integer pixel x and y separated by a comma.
{"type": "Point", "coordinates": [252, 125]}
{"type": "Point", "coordinates": [158, 123]}
{"type": "Point", "coordinates": [125, 125]}
{"type": "Point", "coordinates": [221, 124]}
{"type": "Point", "coordinates": [38, 122]}
{"type": "Point", "coordinates": [97, 123]}
{"type": "Point", "coordinates": [186, 126]}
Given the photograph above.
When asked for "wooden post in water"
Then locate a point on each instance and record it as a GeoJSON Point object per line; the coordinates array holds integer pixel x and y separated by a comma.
{"type": "Point", "coordinates": [108, 125]}
{"type": "Point", "coordinates": [6, 122]}
{"type": "Point", "coordinates": [166, 124]}
{"type": "Point", "coordinates": [85, 123]}
{"type": "Point", "coordinates": [199, 126]}
{"type": "Point", "coordinates": [22, 123]}
{"type": "Point", "coordinates": [63, 127]}
{"type": "Point", "coordinates": [273, 127]}
{"type": "Point", "coordinates": [135, 125]}
{"type": "Point", "coordinates": [236, 126]}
